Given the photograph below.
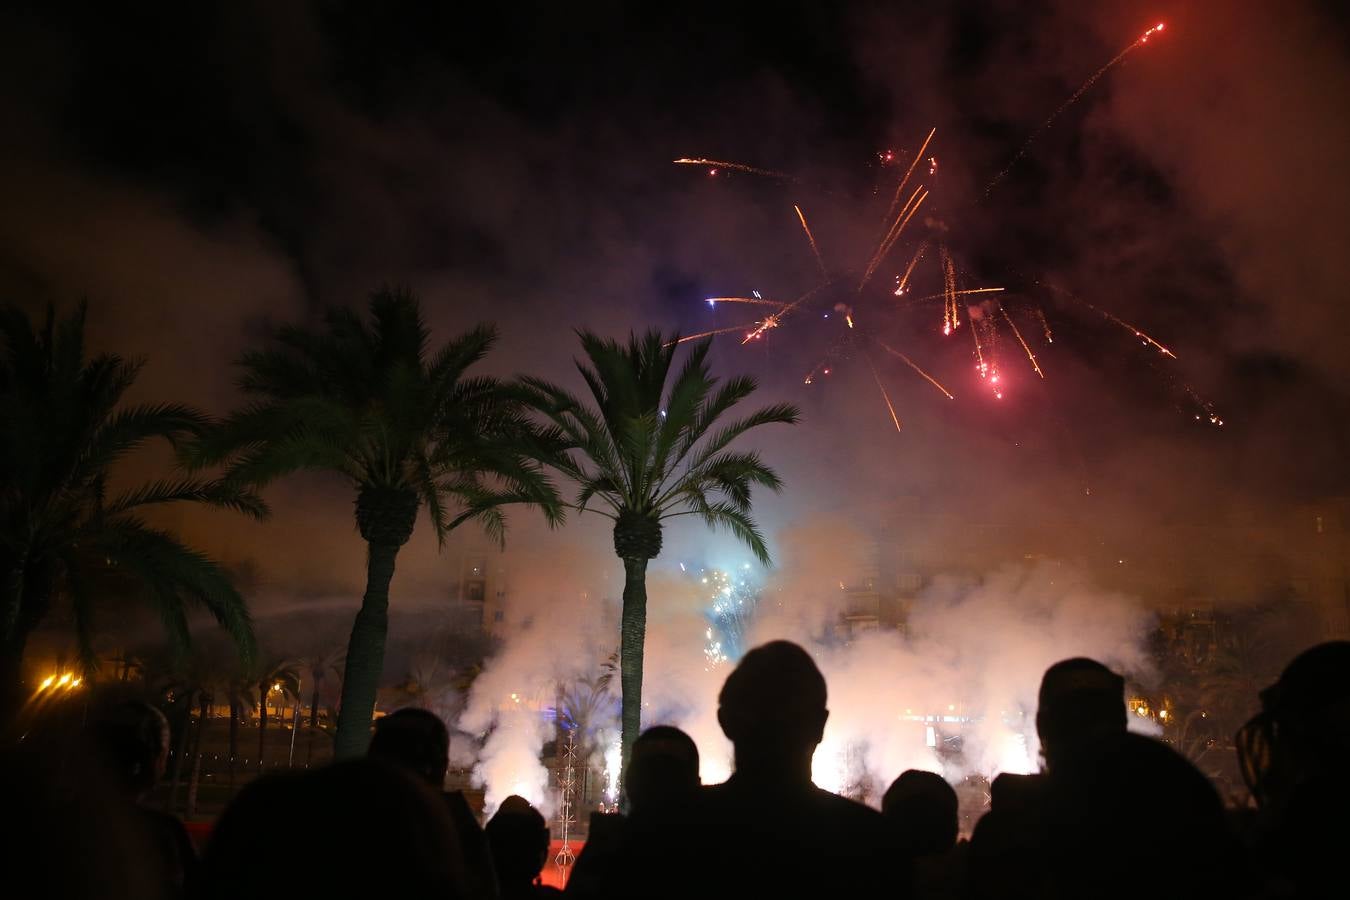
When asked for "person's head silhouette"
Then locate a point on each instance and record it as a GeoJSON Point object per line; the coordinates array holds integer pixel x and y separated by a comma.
{"type": "Point", "coordinates": [133, 740]}
{"type": "Point", "coordinates": [1303, 730]}
{"type": "Point", "coordinates": [663, 770]}
{"type": "Point", "coordinates": [518, 838]}
{"type": "Point", "coordinates": [1080, 700]}
{"type": "Point", "coordinates": [376, 829]}
{"type": "Point", "coordinates": [922, 808]}
{"type": "Point", "coordinates": [772, 708]}
{"type": "Point", "coordinates": [415, 739]}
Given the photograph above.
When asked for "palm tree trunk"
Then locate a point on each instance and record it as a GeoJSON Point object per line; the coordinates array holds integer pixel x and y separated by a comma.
{"type": "Point", "coordinates": [632, 637]}
{"type": "Point", "coordinates": [234, 739]}
{"type": "Point", "coordinates": [365, 655]}
{"type": "Point", "coordinates": [262, 722]}
{"type": "Point", "coordinates": [195, 778]}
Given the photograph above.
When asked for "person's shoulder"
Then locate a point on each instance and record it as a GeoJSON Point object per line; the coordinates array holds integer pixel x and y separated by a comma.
{"type": "Point", "coordinates": [847, 812]}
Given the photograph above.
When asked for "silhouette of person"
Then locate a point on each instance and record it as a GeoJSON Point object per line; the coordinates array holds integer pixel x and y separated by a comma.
{"type": "Point", "coordinates": [1127, 797]}
{"type": "Point", "coordinates": [661, 780]}
{"type": "Point", "coordinates": [417, 740]}
{"type": "Point", "coordinates": [921, 808]}
{"type": "Point", "coordinates": [132, 739]}
{"type": "Point", "coordinates": [518, 838]}
{"type": "Point", "coordinates": [662, 772]}
{"type": "Point", "coordinates": [70, 831]}
{"type": "Point", "coordinates": [1292, 755]}
{"type": "Point", "coordinates": [1080, 702]}
{"type": "Point", "coordinates": [768, 830]}
{"type": "Point", "coordinates": [353, 829]}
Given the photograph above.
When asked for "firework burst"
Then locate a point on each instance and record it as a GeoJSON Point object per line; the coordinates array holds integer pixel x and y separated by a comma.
{"type": "Point", "coordinates": [988, 317]}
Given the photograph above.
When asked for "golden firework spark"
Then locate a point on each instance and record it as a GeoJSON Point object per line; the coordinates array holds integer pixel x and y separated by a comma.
{"type": "Point", "coordinates": [913, 365]}
{"type": "Point", "coordinates": [906, 213]}
{"type": "Point", "coordinates": [909, 270]}
{"type": "Point", "coordinates": [890, 407]}
{"type": "Point", "coordinates": [951, 318]}
{"type": "Point", "coordinates": [718, 165]}
{"type": "Point", "coordinates": [812, 239]}
{"type": "Point", "coordinates": [755, 301]}
{"type": "Point", "coordinates": [707, 334]}
{"type": "Point", "coordinates": [961, 293]}
{"type": "Point", "coordinates": [900, 188]}
{"type": "Point", "coordinates": [1073, 98]}
{"type": "Point", "coordinates": [1045, 324]}
{"type": "Point", "coordinates": [1031, 356]}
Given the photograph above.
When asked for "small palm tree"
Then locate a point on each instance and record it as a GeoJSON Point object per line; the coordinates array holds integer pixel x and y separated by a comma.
{"type": "Point", "coordinates": [649, 455]}
{"type": "Point", "coordinates": [63, 428]}
{"type": "Point", "coordinates": [319, 665]}
{"type": "Point", "coordinates": [405, 427]}
{"type": "Point", "coordinates": [280, 677]}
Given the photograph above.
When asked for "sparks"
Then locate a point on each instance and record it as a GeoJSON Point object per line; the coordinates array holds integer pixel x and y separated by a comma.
{"type": "Point", "coordinates": [714, 165]}
{"type": "Point", "coordinates": [1073, 98]}
{"type": "Point", "coordinates": [890, 407]}
{"type": "Point", "coordinates": [706, 334]}
{"type": "Point", "coordinates": [812, 239]}
{"type": "Point", "coordinates": [906, 213]}
{"type": "Point", "coordinates": [913, 365]}
{"type": "Point", "coordinates": [754, 301]}
{"type": "Point", "coordinates": [903, 283]}
{"type": "Point", "coordinates": [1031, 356]}
{"type": "Point", "coordinates": [1045, 324]}
{"type": "Point", "coordinates": [900, 188]}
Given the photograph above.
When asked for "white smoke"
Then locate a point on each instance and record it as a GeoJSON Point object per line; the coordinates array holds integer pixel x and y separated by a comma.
{"type": "Point", "coordinates": [969, 663]}
{"type": "Point", "coordinates": [558, 632]}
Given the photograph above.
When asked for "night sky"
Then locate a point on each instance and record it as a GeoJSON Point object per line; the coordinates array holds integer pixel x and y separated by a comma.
{"type": "Point", "coordinates": [202, 173]}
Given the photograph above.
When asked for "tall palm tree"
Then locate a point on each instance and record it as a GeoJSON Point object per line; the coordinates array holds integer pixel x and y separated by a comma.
{"type": "Point", "coordinates": [650, 454]}
{"type": "Point", "coordinates": [365, 399]}
{"type": "Point", "coordinates": [63, 538]}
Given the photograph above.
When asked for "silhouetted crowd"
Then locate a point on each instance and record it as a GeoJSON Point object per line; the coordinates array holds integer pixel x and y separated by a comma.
{"type": "Point", "coordinates": [1112, 814]}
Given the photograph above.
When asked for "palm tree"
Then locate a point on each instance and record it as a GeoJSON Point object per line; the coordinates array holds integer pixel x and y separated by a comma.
{"type": "Point", "coordinates": [649, 455]}
{"type": "Point", "coordinates": [320, 665]}
{"type": "Point", "coordinates": [63, 427]}
{"type": "Point", "coordinates": [277, 676]}
{"type": "Point", "coordinates": [406, 428]}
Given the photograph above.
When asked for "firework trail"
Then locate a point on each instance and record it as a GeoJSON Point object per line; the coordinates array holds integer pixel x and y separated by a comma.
{"type": "Point", "coordinates": [717, 165]}
{"type": "Point", "coordinates": [1031, 356]}
{"type": "Point", "coordinates": [913, 365]}
{"type": "Point", "coordinates": [812, 238]}
{"type": "Point", "coordinates": [903, 283]}
{"type": "Point", "coordinates": [1045, 324]}
{"type": "Point", "coordinates": [962, 293]}
{"type": "Point", "coordinates": [773, 320]}
{"type": "Point", "coordinates": [707, 334]}
{"type": "Point", "coordinates": [756, 301]}
{"type": "Point", "coordinates": [890, 242]}
{"type": "Point", "coordinates": [890, 407]}
{"type": "Point", "coordinates": [951, 319]}
{"type": "Point", "coordinates": [916, 200]}
{"type": "Point", "coordinates": [900, 188]}
{"type": "Point", "coordinates": [1073, 98]}
{"type": "Point", "coordinates": [1144, 338]}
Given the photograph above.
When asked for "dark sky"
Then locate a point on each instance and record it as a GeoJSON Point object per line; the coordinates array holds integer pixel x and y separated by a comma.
{"type": "Point", "coordinates": [202, 172]}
